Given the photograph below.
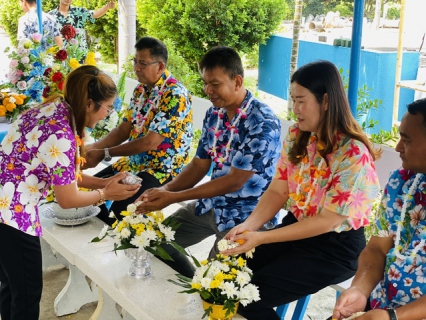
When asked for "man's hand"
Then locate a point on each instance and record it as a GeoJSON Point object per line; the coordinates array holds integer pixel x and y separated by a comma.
{"type": "Point", "coordinates": [93, 157]}
{"type": "Point", "coordinates": [377, 314]}
{"type": "Point", "coordinates": [350, 301]}
{"type": "Point", "coordinates": [154, 199]}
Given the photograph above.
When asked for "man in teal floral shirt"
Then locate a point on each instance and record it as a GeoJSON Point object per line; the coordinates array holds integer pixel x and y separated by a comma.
{"type": "Point", "coordinates": [391, 277]}
{"type": "Point", "coordinates": [78, 17]}
{"type": "Point", "coordinates": [240, 141]}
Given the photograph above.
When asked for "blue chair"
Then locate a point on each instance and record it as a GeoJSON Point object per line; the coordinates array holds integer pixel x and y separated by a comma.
{"type": "Point", "coordinates": [299, 311]}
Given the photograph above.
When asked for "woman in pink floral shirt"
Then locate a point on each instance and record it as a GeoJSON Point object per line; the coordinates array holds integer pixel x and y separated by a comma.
{"type": "Point", "coordinates": [327, 174]}
{"type": "Point", "coordinates": [41, 149]}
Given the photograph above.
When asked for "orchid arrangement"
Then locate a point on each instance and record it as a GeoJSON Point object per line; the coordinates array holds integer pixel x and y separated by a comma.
{"type": "Point", "coordinates": [148, 231]}
{"type": "Point", "coordinates": [221, 281]}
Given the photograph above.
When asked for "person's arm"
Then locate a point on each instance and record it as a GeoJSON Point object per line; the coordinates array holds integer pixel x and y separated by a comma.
{"type": "Point", "coordinates": [101, 11]}
{"type": "Point", "coordinates": [91, 182]}
{"type": "Point", "coordinates": [68, 196]}
{"type": "Point", "coordinates": [182, 187]}
{"type": "Point", "coordinates": [58, 41]}
{"type": "Point", "coordinates": [371, 265]}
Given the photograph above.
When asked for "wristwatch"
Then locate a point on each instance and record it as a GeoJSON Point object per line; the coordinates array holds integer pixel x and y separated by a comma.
{"type": "Point", "coordinates": [107, 155]}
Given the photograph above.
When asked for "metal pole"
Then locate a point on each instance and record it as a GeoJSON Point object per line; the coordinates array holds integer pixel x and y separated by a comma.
{"type": "Point", "coordinates": [40, 16]}
{"type": "Point", "coordinates": [355, 55]}
{"type": "Point", "coordinates": [398, 64]}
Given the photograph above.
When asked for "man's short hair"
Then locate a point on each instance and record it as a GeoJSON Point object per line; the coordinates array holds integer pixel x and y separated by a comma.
{"type": "Point", "coordinates": [222, 57]}
{"type": "Point", "coordinates": [418, 106]}
{"type": "Point", "coordinates": [157, 49]}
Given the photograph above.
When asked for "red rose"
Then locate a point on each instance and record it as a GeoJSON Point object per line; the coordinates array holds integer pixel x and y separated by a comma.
{"type": "Point", "coordinates": [57, 77]}
{"type": "Point", "coordinates": [46, 91]}
{"type": "Point", "coordinates": [68, 32]}
{"type": "Point", "coordinates": [61, 85]}
{"type": "Point", "coordinates": [61, 55]}
{"type": "Point", "coordinates": [47, 72]}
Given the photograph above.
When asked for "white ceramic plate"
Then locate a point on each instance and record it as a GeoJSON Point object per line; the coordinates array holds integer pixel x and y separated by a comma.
{"type": "Point", "coordinates": [50, 213]}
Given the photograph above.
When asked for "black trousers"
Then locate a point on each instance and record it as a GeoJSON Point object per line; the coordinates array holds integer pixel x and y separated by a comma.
{"type": "Point", "coordinates": [21, 275]}
{"type": "Point", "coordinates": [288, 271]}
{"type": "Point", "coordinates": [148, 182]}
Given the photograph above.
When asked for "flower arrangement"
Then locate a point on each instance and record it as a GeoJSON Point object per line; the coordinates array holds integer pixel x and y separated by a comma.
{"type": "Point", "coordinates": [12, 104]}
{"type": "Point", "coordinates": [222, 281]}
{"type": "Point", "coordinates": [103, 127]}
{"type": "Point", "coordinates": [148, 231]}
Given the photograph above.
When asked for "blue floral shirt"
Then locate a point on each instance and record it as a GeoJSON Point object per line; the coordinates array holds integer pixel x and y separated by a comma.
{"type": "Point", "coordinates": [404, 280]}
{"type": "Point", "coordinates": [255, 147]}
{"type": "Point", "coordinates": [28, 25]}
{"type": "Point", "coordinates": [77, 17]}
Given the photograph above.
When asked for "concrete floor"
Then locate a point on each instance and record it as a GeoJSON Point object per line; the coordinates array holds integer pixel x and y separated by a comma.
{"type": "Point", "coordinates": [54, 279]}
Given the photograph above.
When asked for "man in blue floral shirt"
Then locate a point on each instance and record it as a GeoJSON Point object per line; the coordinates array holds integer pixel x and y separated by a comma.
{"type": "Point", "coordinates": [28, 26]}
{"type": "Point", "coordinates": [240, 141]}
{"type": "Point", "coordinates": [77, 17]}
{"type": "Point", "coordinates": [391, 276]}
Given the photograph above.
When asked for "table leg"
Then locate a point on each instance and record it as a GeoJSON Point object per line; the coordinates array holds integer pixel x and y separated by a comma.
{"type": "Point", "coordinates": [50, 257]}
{"type": "Point", "coordinates": [107, 309]}
{"type": "Point", "coordinates": [75, 294]}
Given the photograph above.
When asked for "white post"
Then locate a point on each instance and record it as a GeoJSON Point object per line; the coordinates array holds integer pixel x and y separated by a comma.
{"type": "Point", "coordinates": [126, 30]}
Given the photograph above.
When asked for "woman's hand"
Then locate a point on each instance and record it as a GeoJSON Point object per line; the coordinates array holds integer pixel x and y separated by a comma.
{"type": "Point", "coordinates": [350, 301]}
{"type": "Point", "coordinates": [115, 190]}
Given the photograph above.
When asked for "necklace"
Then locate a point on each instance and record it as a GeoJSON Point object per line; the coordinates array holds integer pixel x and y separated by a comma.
{"type": "Point", "coordinates": [298, 197]}
{"type": "Point", "coordinates": [400, 223]}
{"type": "Point", "coordinates": [153, 104]}
{"type": "Point", "coordinates": [218, 158]}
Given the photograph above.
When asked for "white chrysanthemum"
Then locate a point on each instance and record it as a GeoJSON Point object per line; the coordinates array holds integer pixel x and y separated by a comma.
{"type": "Point", "coordinates": [9, 139]}
{"type": "Point", "coordinates": [33, 136]}
{"type": "Point", "coordinates": [6, 196]}
{"type": "Point", "coordinates": [53, 151]}
{"type": "Point", "coordinates": [229, 289]}
{"type": "Point", "coordinates": [125, 233]}
{"type": "Point", "coordinates": [131, 208]}
{"type": "Point", "coordinates": [169, 234]}
{"type": "Point", "coordinates": [205, 282]}
{"type": "Point", "coordinates": [243, 278]}
{"type": "Point", "coordinates": [140, 241]}
{"type": "Point", "coordinates": [103, 232]}
{"type": "Point", "coordinates": [151, 235]}
{"type": "Point", "coordinates": [30, 189]}
{"type": "Point", "coordinates": [222, 245]}
{"type": "Point", "coordinates": [248, 294]}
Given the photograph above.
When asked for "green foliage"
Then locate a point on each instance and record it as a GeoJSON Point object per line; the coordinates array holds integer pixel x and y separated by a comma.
{"type": "Point", "coordinates": [368, 230]}
{"type": "Point", "coordinates": [389, 138]}
{"type": "Point", "coordinates": [198, 25]}
{"type": "Point", "coordinates": [345, 9]}
{"type": "Point", "coordinates": [9, 15]}
{"type": "Point", "coordinates": [251, 59]}
{"type": "Point", "coordinates": [194, 143]}
{"type": "Point", "coordinates": [394, 13]}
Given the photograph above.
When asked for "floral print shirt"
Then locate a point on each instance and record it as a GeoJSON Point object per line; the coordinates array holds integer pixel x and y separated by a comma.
{"type": "Point", "coordinates": [403, 280]}
{"type": "Point", "coordinates": [255, 147]}
{"type": "Point", "coordinates": [38, 151]}
{"type": "Point", "coordinates": [28, 25]}
{"type": "Point", "coordinates": [77, 17]}
{"type": "Point", "coordinates": [347, 186]}
{"type": "Point", "coordinates": [171, 117]}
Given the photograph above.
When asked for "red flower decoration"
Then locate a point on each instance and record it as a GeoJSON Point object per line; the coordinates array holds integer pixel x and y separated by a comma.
{"type": "Point", "coordinates": [47, 72]}
{"type": "Point", "coordinates": [61, 55]}
{"type": "Point", "coordinates": [61, 85]}
{"type": "Point", "coordinates": [68, 32]}
{"type": "Point", "coordinates": [57, 77]}
{"type": "Point", "coordinates": [46, 91]}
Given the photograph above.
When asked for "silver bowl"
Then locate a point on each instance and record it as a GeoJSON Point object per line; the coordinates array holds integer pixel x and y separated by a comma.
{"type": "Point", "coordinates": [72, 213]}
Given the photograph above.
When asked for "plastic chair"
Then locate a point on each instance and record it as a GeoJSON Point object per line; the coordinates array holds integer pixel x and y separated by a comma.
{"type": "Point", "coordinates": [299, 311]}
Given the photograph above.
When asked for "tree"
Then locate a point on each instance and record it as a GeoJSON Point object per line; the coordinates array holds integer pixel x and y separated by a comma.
{"type": "Point", "coordinates": [198, 25]}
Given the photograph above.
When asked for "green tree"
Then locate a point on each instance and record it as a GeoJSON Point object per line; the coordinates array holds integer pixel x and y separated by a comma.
{"type": "Point", "coordinates": [198, 25]}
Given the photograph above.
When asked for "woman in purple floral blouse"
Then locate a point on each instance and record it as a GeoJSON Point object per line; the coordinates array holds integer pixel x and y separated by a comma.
{"type": "Point", "coordinates": [42, 148]}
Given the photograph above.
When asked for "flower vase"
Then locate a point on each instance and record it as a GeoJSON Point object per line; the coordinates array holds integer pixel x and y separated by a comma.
{"type": "Point", "coordinates": [218, 312]}
{"type": "Point", "coordinates": [139, 267]}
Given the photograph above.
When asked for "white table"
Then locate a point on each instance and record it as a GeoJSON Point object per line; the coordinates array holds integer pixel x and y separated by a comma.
{"type": "Point", "coordinates": [154, 298]}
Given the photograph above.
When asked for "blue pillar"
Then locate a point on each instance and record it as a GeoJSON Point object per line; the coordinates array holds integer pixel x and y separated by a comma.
{"type": "Point", "coordinates": [355, 54]}
{"type": "Point", "coordinates": [40, 19]}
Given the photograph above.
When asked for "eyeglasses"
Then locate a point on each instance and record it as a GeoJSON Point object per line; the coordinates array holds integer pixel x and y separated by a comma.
{"type": "Point", "coordinates": [109, 110]}
{"type": "Point", "coordinates": [142, 64]}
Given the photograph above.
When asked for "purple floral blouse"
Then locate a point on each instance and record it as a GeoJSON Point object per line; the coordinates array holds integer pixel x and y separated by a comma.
{"type": "Point", "coordinates": [38, 151]}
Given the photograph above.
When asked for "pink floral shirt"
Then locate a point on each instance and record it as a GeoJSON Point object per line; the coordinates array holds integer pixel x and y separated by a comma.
{"type": "Point", "coordinates": [347, 186]}
{"type": "Point", "coordinates": [38, 151]}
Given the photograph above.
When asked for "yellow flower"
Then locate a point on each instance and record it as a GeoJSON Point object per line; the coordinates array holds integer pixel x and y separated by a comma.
{"type": "Point", "coordinates": [159, 233]}
{"type": "Point", "coordinates": [215, 284]}
{"type": "Point", "coordinates": [90, 59]}
{"type": "Point", "coordinates": [204, 262]}
{"type": "Point", "coordinates": [2, 111]}
{"type": "Point", "coordinates": [241, 262]}
{"type": "Point", "coordinates": [196, 286]}
{"type": "Point", "coordinates": [74, 63]}
{"type": "Point", "coordinates": [125, 213]}
{"type": "Point", "coordinates": [114, 224]}
{"type": "Point", "coordinates": [220, 276]}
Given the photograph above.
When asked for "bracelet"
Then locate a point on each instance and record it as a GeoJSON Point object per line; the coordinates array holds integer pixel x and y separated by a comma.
{"type": "Point", "coordinates": [102, 199]}
{"type": "Point", "coordinates": [392, 314]}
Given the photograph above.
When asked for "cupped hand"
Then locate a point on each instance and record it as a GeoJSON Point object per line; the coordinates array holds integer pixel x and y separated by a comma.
{"type": "Point", "coordinates": [93, 157]}
{"type": "Point", "coordinates": [115, 190]}
{"type": "Point", "coordinates": [111, 5]}
{"type": "Point", "coordinates": [350, 301]}
{"type": "Point", "coordinates": [154, 199]}
{"type": "Point", "coordinates": [247, 240]}
{"type": "Point", "coordinates": [377, 314]}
